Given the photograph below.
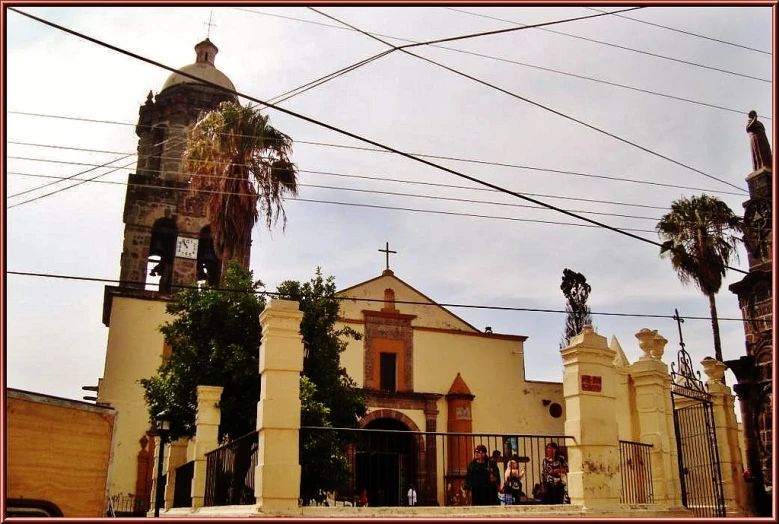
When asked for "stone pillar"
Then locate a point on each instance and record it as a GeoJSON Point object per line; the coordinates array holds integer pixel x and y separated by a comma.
{"type": "Point", "coordinates": [207, 422]}
{"type": "Point", "coordinates": [589, 384]}
{"type": "Point", "coordinates": [175, 456]}
{"type": "Point", "coordinates": [726, 429]}
{"type": "Point", "coordinates": [655, 417]}
{"type": "Point", "coordinates": [277, 475]}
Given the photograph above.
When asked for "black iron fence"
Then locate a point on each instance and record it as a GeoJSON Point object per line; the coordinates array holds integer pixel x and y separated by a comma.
{"type": "Point", "coordinates": [126, 505]}
{"type": "Point", "coordinates": [230, 472]}
{"type": "Point", "coordinates": [636, 470]}
{"type": "Point", "coordinates": [383, 465]}
{"type": "Point", "coordinates": [182, 490]}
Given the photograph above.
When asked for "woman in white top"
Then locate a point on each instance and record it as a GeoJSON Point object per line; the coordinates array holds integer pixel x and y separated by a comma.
{"type": "Point", "coordinates": [512, 487]}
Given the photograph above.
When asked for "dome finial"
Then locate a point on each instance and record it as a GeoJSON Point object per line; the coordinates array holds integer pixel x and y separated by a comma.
{"type": "Point", "coordinates": [206, 51]}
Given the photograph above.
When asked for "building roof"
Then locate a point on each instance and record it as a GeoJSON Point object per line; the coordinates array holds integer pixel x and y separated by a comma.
{"type": "Point", "coordinates": [203, 67]}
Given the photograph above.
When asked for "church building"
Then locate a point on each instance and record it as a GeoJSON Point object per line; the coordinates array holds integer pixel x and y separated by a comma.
{"type": "Point", "coordinates": [422, 367]}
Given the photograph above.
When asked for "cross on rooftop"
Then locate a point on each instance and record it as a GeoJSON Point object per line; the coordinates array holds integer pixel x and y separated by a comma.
{"type": "Point", "coordinates": [387, 251]}
{"type": "Point", "coordinates": [210, 24]}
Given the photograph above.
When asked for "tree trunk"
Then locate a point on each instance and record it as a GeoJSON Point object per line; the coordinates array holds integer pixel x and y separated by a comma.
{"type": "Point", "coordinates": [715, 330]}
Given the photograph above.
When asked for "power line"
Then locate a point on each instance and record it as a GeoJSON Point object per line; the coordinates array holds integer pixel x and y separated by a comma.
{"type": "Point", "coordinates": [609, 44]}
{"type": "Point", "coordinates": [394, 208]}
{"type": "Point", "coordinates": [336, 129]}
{"type": "Point", "coordinates": [355, 299]}
{"type": "Point", "coordinates": [380, 179]}
{"type": "Point", "coordinates": [443, 157]}
{"type": "Point", "coordinates": [353, 204]}
{"type": "Point", "coordinates": [81, 181]}
{"type": "Point", "coordinates": [558, 113]}
{"type": "Point", "coordinates": [515, 62]}
{"type": "Point", "coordinates": [683, 32]}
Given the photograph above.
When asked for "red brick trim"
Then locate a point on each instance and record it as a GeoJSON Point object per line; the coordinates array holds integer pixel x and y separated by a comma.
{"type": "Point", "coordinates": [388, 413]}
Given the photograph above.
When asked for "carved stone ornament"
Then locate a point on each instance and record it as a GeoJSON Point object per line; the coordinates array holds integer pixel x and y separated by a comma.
{"type": "Point", "coordinates": [714, 369]}
{"type": "Point", "coordinates": [757, 222]}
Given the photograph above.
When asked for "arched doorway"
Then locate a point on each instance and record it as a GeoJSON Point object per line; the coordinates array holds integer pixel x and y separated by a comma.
{"type": "Point", "coordinates": [387, 462]}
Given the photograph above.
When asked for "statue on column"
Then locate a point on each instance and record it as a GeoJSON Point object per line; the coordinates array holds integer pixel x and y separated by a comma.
{"type": "Point", "coordinates": [761, 148]}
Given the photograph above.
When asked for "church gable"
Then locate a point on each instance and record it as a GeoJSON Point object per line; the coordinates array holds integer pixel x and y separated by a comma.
{"type": "Point", "coordinates": [389, 294]}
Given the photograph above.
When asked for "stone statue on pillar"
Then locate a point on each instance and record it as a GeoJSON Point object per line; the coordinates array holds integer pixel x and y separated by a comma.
{"type": "Point", "coordinates": [761, 148]}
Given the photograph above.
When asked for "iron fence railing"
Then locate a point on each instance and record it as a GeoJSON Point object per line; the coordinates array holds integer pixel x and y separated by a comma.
{"type": "Point", "coordinates": [126, 505]}
{"type": "Point", "coordinates": [636, 471]}
{"type": "Point", "coordinates": [230, 472]}
{"type": "Point", "coordinates": [182, 490]}
{"type": "Point", "coordinates": [383, 465]}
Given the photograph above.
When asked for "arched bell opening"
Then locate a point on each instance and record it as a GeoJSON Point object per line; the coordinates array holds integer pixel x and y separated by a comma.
{"type": "Point", "coordinates": [162, 249]}
{"type": "Point", "coordinates": [208, 264]}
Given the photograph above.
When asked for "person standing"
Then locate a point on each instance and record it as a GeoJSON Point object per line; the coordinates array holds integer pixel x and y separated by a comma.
{"type": "Point", "coordinates": [482, 479]}
{"type": "Point", "coordinates": [512, 487]}
{"type": "Point", "coordinates": [553, 468]}
{"type": "Point", "coordinates": [412, 496]}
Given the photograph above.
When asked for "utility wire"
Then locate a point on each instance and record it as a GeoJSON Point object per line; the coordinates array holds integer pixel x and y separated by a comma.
{"type": "Point", "coordinates": [370, 206]}
{"type": "Point", "coordinates": [355, 299]}
{"type": "Point", "coordinates": [333, 128]}
{"type": "Point", "coordinates": [80, 182]}
{"type": "Point", "coordinates": [515, 62]}
{"type": "Point", "coordinates": [396, 208]}
{"type": "Point", "coordinates": [558, 113]}
{"type": "Point", "coordinates": [683, 32]}
{"type": "Point", "coordinates": [601, 42]}
{"type": "Point", "coordinates": [106, 164]}
{"type": "Point", "coordinates": [456, 159]}
{"type": "Point", "coordinates": [386, 179]}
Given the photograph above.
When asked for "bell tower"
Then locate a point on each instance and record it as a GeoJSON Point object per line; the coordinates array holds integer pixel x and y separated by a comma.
{"type": "Point", "coordinates": [754, 371]}
{"type": "Point", "coordinates": [167, 236]}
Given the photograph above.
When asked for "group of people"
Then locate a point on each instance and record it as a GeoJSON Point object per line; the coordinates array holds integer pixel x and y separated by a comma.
{"type": "Point", "coordinates": [489, 488]}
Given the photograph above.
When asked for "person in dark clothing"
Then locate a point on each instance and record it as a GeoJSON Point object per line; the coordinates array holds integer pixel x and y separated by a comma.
{"type": "Point", "coordinates": [482, 479]}
{"type": "Point", "coordinates": [552, 470]}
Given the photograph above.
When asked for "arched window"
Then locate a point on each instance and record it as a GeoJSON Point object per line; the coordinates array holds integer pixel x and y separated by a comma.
{"type": "Point", "coordinates": [162, 249]}
{"type": "Point", "coordinates": [208, 264]}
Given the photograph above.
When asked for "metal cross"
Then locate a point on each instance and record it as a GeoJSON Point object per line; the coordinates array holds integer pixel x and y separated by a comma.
{"type": "Point", "coordinates": [387, 251]}
{"type": "Point", "coordinates": [210, 24]}
{"type": "Point", "coordinates": [679, 320]}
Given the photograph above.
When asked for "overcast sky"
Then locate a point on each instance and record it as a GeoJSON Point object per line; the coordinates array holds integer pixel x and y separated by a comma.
{"type": "Point", "coordinates": [55, 338]}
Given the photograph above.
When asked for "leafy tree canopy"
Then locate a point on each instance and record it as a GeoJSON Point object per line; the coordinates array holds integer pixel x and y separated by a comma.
{"type": "Point", "coordinates": [576, 291]}
{"type": "Point", "coordinates": [215, 340]}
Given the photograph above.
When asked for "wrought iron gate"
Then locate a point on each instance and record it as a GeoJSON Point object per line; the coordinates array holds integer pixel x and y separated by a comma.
{"type": "Point", "coordinates": [696, 441]}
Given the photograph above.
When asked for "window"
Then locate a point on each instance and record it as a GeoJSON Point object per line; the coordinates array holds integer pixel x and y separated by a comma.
{"type": "Point", "coordinates": [388, 371]}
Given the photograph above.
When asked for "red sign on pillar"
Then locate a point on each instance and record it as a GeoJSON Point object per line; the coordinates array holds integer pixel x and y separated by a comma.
{"type": "Point", "coordinates": [591, 383]}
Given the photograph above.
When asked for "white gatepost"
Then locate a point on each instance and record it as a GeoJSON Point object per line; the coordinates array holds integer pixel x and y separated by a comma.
{"type": "Point", "coordinates": [207, 422]}
{"type": "Point", "coordinates": [277, 475]}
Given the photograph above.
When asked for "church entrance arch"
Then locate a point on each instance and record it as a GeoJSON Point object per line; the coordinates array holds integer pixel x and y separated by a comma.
{"type": "Point", "coordinates": [388, 458]}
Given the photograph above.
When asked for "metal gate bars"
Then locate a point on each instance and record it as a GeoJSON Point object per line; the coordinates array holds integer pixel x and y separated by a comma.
{"type": "Point", "coordinates": [696, 441]}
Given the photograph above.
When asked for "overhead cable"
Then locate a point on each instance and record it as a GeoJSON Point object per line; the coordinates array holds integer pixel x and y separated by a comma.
{"type": "Point", "coordinates": [333, 128]}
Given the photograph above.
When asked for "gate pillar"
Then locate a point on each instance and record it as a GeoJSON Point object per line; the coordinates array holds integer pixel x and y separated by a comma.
{"type": "Point", "coordinates": [589, 383]}
{"type": "Point", "coordinates": [207, 422]}
{"type": "Point", "coordinates": [655, 417]}
{"type": "Point", "coordinates": [277, 474]}
{"type": "Point", "coordinates": [726, 427]}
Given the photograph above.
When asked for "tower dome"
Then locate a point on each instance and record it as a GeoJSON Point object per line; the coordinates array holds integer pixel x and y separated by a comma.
{"type": "Point", "coordinates": [202, 68]}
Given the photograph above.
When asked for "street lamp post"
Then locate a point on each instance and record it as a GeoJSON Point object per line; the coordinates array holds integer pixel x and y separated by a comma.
{"type": "Point", "coordinates": [162, 424]}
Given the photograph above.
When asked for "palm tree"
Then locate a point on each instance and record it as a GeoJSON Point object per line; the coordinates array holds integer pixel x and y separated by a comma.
{"type": "Point", "coordinates": [699, 238]}
{"type": "Point", "coordinates": [241, 164]}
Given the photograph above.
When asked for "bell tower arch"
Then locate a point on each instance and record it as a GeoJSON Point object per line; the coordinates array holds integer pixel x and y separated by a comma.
{"type": "Point", "coordinates": [158, 201]}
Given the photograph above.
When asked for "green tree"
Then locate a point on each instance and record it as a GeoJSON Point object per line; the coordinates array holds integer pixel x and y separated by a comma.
{"type": "Point", "coordinates": [576, 291]}
{"type": "Point", "coordinates": [239, 161]}
{"type": "Point", "coordinates": [698, 236]}
{"type": "Point", "coordinates": [329, 396]}
{"type": "Point", "coordinates": [215, 340]}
